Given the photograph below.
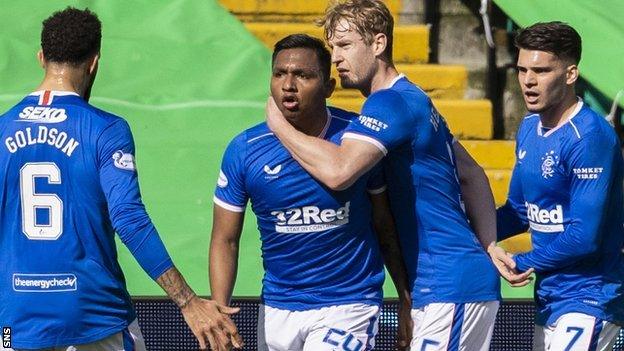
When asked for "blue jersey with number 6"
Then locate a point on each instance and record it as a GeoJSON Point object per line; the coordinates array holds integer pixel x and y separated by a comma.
{"type": "Point", "coordinates": [68, 183]}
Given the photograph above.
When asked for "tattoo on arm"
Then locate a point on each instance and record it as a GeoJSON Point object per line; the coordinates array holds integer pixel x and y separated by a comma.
{"type": "Point", "coordinates": [176, 287]}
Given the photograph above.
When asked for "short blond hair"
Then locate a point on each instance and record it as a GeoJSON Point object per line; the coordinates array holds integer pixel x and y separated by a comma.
{"type": "Point", "coordinates": [368, 17]}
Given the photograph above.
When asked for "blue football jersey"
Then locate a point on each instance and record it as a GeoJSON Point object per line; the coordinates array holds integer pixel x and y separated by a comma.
{"type": "Point", "coordinates": [566, 187]}
{"type": "Point", "coordinates": [445, 261]}
{"type": "Point", "coordinates": [318, 245]}
{"type": "Point", "coordinates": [68, 183]}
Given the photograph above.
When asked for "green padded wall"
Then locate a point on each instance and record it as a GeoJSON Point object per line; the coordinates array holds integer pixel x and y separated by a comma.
{"type": "Point", "coordinates": [188, 77]}
{"type": "Point", "coordinates": [601, 28]}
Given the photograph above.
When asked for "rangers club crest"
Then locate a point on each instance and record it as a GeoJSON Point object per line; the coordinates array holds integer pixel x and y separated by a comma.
{"type": "Point", "coordinates": [548, 162]}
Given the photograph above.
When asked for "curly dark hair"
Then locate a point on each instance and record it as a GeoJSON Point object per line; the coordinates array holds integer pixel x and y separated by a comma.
{"type": "Point", "coordinates": [71, 36]}
{"type": "Point", "coordinates": [555, 37]}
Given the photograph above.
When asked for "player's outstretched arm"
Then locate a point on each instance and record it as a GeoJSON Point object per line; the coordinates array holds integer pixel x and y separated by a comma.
{"type": "Point", "coordinates": [119, 182]}
{"type": "Point", "coordinates": [223, 260]}
{"type": "Point", "coordinates": [477, 195]}
{"type": "Point", "coordinates": [223, 256]}
{"type": "Point", "coordinates": [336, 166]}
{"type": "Point", "coordinates": [393, 259]}
{"type": "Point", "coordinates": [207, 319]}
{"type": "Point", "coordinates": [481, 212]}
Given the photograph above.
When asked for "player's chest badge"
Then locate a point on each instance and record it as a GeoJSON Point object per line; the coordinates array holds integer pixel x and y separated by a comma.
{"type": "Point", "coordinates": [549, 161]}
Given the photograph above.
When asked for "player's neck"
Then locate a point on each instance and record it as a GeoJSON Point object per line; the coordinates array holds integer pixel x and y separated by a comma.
{"type": "Point", "coordinates": [382, 79]}
{"type": "Point", "coordinates": [63, 77]}
{"type": "Point", "coordinates": [559, 114]}
{"type": "Point", "coordinates": [313, 124]}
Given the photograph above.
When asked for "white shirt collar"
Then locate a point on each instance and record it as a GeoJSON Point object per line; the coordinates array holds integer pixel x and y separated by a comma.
{"type": "Point", "coordinates": [326, 127]}
{"type": "Point", "coordinates": [577, 109]}
{"type": "Point", "coordinates": [396, 79]}
{"type": "Point", "coordinates": [54, 92]}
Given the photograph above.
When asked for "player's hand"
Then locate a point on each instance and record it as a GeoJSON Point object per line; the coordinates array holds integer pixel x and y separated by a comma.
{"type": "Point", "coordinates": [210, 321]}
{"type": "Point", "coordinates": [274, 116]}
{"type": "Point", "coordinates": [404, 333]}
{"type": "Point", "coordinates": [506, 266]}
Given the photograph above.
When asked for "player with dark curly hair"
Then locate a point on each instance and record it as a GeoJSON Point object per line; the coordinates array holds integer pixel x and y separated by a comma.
{"type": "Point", "coordinates": [69, 183]}
{"type": "Point", "coordinates": [71, 36]}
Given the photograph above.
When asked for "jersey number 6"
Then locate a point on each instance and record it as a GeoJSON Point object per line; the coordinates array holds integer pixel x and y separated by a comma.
{"type": "Point", "coordinates": [32, 201]}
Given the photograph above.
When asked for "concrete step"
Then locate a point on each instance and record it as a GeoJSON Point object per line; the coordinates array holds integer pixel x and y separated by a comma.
{"type": "Point", "coordinates": [517, 244]}
{"type": "Point", "coordinates": [493, 154]}
{"type": "Point", "coordinates": [286, 10]}
{"type": "Point", "coordinates": [499, 182]}
{"type": "Point", "coordinates": [411, 43]}
{"type": "Point", "coordinates": [438, 81]}
{"type": "Point", "coordinates": [467, 119]}
{"type": "Point", "coordinates": [497, 158]}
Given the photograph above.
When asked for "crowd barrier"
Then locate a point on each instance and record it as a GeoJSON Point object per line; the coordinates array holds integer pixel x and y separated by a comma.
{"type": "Point", "coordinates": [164, 329]}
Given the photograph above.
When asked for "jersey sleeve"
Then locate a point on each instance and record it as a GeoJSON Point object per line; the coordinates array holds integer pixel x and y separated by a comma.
{"type": "Point", "coordinates": [376, 183]}
{"type": "Point", "coordinates": [231, 193]}
{"type": "Point", "coordinates": [385, 121]}
{"type": "Point", "coordinates": [589, 198]}
{"type": "Point", "coordinates": [511, 218]}
{"type": "Point", "coordinates": [119, 182]}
